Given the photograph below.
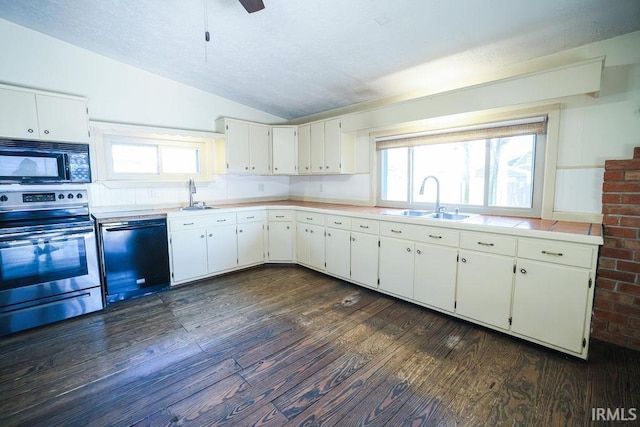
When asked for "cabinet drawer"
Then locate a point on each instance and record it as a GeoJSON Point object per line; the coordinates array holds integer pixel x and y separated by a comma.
{"type": "Point", "coordinates": [251, 216]}
{"type": "Point", "coordinates": [438, 236]}
{"type": "Point", "coordinates": [310, 218]}
{"type": "Point", "coordinates": [187, 223]}
{"type": "Point", "coordinates": [556, 252]}
{"type": "Point", "coordinates": [341, 222]}
{"type": "Point", "coordinates": [483, 242]}
{"type": "Point", "coordinates": [220, 219]}
{"type": "Point", "coordinates": [401, 231]}
{"type": "Point", "coordinates": [365, 225]}
{"type": "Point", "coordinates": [275, 216]}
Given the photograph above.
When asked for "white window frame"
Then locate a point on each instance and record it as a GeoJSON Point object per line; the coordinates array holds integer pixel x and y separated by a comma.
{"type": "Point", "coordinates": [546, 158]}
{"type": "Point", "coordinates": [104, 135]}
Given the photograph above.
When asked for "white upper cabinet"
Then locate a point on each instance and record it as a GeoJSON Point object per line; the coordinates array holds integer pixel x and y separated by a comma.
{"type": "Point", "coordinates": [284, 147]}
{"type": "Point", "coordinates": [248, 147]}
{"type": "Point", "coordinates": [304, 150]}
{"type": "Point", "coordinates": [332, 153]}
{"type": "Point", "coordinates": [29, 115]}
{"type": "Point", "coordinates": [316, 142]}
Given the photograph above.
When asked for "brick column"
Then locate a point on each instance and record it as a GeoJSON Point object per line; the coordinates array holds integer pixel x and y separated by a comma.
{"type": "Point", "coordinates": [616, 314]}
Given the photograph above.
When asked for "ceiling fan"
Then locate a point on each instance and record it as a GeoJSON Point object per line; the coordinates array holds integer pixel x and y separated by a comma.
{"type": "Point", "coordinates": [252, 5]}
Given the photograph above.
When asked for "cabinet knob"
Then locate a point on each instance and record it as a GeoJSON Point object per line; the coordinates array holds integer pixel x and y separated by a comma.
{"type": "Point", "coordinates": [463, 259]}
{"type": "Point", "coordinates": [246, 168]}
{"type": "Point", "coordinates": [30, 130]}
{"type": "Point", "coordinates": [210, 235]}
{"type": "Point", "coordinates": [418, 251]}
{"type": "Point", "coordinates": [240, 231]}
{"type": "Point", "coordinates": [523, 271]}
{"type": "Point", "coordinates": [328, 234]}
{"type": "Point", "coordinates": [202, 236]}
{"type": "Point", "coordinates": [276, 168]}
{"type": "Point", "coordinates": [353, 239]}
{"type": "Point", "coordinates": [46, 132]}
{"type": "Point", "coordinates": [287, 227]}
{"type": "Point", "coordinates": [253, 167]}
{"type": "Point", "coordinates": [306, 167]}
{"type": "Point", "coordinates": [311, 231]}
{"type": "Point", "coordinates": [326, 167]}
{"type": "Point", "coordinates": [408, 249]}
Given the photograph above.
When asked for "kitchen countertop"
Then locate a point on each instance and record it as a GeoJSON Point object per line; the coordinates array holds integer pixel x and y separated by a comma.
{"type": "Point", "coordinates": [575, 231]}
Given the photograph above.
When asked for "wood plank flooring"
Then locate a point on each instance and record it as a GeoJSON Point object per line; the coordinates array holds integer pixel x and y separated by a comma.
{"type": "Point", "coordinates": [284, 345]}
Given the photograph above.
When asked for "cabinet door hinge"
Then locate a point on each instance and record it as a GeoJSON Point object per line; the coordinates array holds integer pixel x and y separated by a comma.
{"type": "Point", "coordinates": [226, 127]}
{"type": "Point", "coordinates": [510, 320]}
{"type": "Point", "coordinates": [584, 342]}
{"type": "Point", "coordinates": [267, 227]}
{"type": "Point", "coordinates": [325, 265]}
{"type": "Point", "coordinates": [378, 243]}
{"type": "Point", "coordinates": [340, 125]}
{"type": "Point", "coordinates": [590, 282]}
{"type": "Point", "coordinates": [455, 304]}
{"type": "Point", "coordinates": [457, 258]}
{"type": "Point", "coordinates": [378, 281]}
{"type": "Point", "coordinates": [514, 268]}
{"type": "Point", "coordinates": [172, 274]}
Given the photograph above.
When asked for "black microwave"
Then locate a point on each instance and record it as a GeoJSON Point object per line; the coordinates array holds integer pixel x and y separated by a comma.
{"type": "Point", "coordinates": [40, 162]}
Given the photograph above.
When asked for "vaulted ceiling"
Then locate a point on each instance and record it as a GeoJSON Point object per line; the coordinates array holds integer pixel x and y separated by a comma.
{"type": "Point", "coordinates": [300, 57]}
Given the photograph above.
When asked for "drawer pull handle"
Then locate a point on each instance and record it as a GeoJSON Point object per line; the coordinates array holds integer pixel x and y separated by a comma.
{"type": "Point", "coordinates": [396, 231]}
{"type": "Point", "coordinates": [364, 226]}
{"type": "Point", "coordinates": [279, 216]}
{"type": "Point", "coordinates": [309, 219]}
{"type": "Point", "coordinates": [485, 244]}
{"type": "Point", "coordinates": [221, 220]}
{"type": "Point", "coordinates": [433, 236]}
{"type": "Point", "coordinates": [523, 271]}
{"type": "Point", "coordinates": [337, 223]}
{"type": "Point", "coordinates": [250, 217]}
{"type": "Point", "coordinates": [187, 223]}
{"type": "Point", "coordinates": [552, 253]}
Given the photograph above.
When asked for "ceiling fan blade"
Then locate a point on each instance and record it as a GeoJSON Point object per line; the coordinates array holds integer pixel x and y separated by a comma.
{"type": "Point", "coordinates": [252, 5]}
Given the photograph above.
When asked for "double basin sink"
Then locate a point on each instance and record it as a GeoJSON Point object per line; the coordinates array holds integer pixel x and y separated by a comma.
{"type": "Point", "coordinates": [434, 215]}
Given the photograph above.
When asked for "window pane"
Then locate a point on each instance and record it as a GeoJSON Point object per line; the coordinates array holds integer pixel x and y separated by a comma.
{"type": "Point", "coordinates": [395, 174]}
{"type": "Point", "coordinates": [511, 171]}
{"type": "Point", "coordinates": [460, 168]}
{"type": "Point", "coordinates": [180, 160]}
{"type": "Point", "coordinates": [130, 158]}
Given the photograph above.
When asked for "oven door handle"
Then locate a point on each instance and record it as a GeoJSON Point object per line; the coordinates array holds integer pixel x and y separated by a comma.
{"type": "Point", "coordinates": [56, 235]}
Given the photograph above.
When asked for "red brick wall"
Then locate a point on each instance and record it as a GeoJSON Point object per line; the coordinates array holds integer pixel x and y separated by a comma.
{"type": "Point", "coordinates": [616, 316]}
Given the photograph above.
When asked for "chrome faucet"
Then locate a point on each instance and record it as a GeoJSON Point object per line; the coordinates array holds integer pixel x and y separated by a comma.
{"type": "Point", "coordinates": [192, 191]}
{"type": "Point", "coordinates": [437, 190]}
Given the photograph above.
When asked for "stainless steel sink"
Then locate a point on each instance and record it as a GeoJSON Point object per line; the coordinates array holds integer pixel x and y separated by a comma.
{"type": "Point", "coordinates": [196, 208]}
{"type": "Point", "coordinates": [427, 214]}
{"type": "Point", "coordinates": [450, 216]}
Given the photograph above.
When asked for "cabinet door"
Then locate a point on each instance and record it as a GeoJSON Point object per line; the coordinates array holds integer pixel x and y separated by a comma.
{"type": "Point", "coordinates": [62, 119]}
{"type": "Point", "coordinates": [317, 147]}
{"type": "Point", "coordinates": [250, 243]}
{"type": "Point", "coordinates": [434, 280]}
{"type": "Point", "coordinates": [304, 150]}
{"type": "Point", "coordinates": [364, 259]}
{"type": "Point", "coordinates": [484, 287]}
{"type": "Point", "coordinates": [284, 141]}
{"type": "Point", "coordinates": [222, 248]}
{"type": "Point", "coordinates": [316, 246]}
{"type": "Point", "coordinates": [281, 241]}
{"type": "Point", "coordinates": [303, 250]}
{"type": "Point", "coordinates": [338, 252]}
{"type": "Point", "coordinates": [188, 254]}
{"type": "Point", "coordinates": [396, 266]}
{"type": "Point", "coordinates": [550, 303]}
{"type": "Point", "coordinates": [18, 114]}
{"type": "Point", "coordinates": [237, 146]}
{"type": "Point", "coordinates": [332, 150]}
{"type": "Point", "coordinates": [259, 153]}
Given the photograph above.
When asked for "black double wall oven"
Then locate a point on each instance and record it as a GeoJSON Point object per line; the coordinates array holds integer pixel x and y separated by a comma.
{"type": "Point", "coordinates": [48, 253]}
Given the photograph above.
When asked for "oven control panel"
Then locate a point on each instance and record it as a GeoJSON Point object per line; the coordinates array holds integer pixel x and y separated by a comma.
{"type": "Point", "coordinates": [27, 199]}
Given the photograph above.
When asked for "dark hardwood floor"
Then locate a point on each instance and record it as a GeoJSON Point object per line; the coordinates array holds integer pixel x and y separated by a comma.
{"type": "Point", "coordinates": [283, 345]}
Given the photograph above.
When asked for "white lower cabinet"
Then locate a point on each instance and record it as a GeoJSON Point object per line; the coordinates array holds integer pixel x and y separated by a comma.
{"type": "Point", "coordinates": [364, 259]}
{"type": "Point", "coordinates": [396, 266]}
{"type": "Point", "coordinates": [222, 248]}
{"type": "Point", "coordinates": [250, 243]}
{"type": "Point", "coordinates": [189, 254]}
{"type": "Point", "coordinates": [280, 241]}
{"type": "Point", "coordinates": [434, 277]}
{"type": "Point", "coordinates": [484, 287]}
{"type": "Point", "coordinates": [338, 252]}
{"type": "Point", "coordinates": [550, 303]}
{"type": "Point", "coordinates": [310, 245]}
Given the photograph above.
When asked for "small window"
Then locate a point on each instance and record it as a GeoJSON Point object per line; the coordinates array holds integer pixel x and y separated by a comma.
{"type": "Point", "coordinates": [492, 169]}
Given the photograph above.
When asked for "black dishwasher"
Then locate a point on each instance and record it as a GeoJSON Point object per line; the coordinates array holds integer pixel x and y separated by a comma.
{"type": "Point", "coordinates": [135, 258]}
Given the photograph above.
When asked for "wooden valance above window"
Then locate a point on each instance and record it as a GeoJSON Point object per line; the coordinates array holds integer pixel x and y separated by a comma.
{"type": "Point", "coordinates": [528, 126]}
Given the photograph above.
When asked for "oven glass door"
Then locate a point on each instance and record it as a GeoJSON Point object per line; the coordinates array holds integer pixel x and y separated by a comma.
{"type": "Point", "coordinates": [34, 259]}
